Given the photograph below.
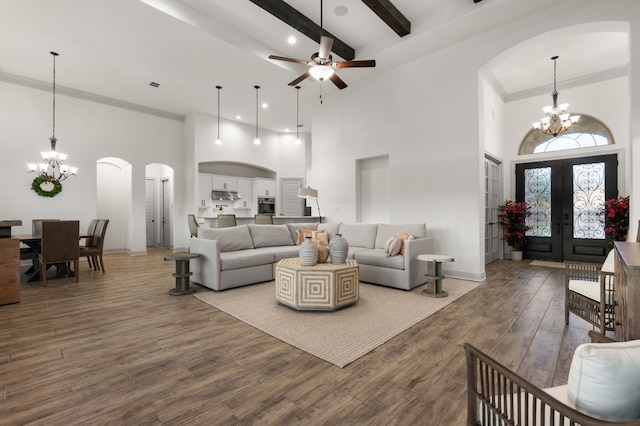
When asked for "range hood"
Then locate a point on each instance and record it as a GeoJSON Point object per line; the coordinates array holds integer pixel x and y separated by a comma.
{"type": "Point", "coordinates": [225, 195]}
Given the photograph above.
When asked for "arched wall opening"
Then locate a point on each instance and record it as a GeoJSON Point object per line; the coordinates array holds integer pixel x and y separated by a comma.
{"type": "Point", "coordinates": [114, 194]}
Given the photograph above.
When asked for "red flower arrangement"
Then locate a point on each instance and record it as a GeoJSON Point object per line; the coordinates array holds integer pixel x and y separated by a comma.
{"type": "Point", "coordinates": [512, 216]}
{"type": "Point", "coordinates": [616, 218]}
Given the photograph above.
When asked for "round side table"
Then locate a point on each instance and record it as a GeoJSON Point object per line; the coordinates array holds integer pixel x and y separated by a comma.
{"type": "Point", "coordinates": [434, 274]}
{"type": "Point", "coordinates": [182, 273]}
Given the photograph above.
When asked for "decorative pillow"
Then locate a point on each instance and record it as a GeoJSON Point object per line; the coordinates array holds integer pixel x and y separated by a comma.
{"type": "Point", "coordinates": [230, 239]}
{"type": "Point", "coordinates": [320, 237]}
{"type": "Point", "coordinates": [404, 236]}
{"type": "Point", "coordinates": [418, 230]}
{"type": "Point", "coordinates": [332, 228]}
{"type": "Point", "coordinates": [302, 233]}
{"type": "Point", "coordinates": [270, 235]}
{"type": "Point", "coordinates": [293, 229]}
{"type": "Point", "coordinates": [604, 380]}
{"type": "Point", "coordinates": [393, 246]}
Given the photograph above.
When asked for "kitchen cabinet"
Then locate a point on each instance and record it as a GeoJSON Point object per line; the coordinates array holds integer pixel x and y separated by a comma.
{"type": "Point", "coordinates": [204, 190]}
{"type": "Point", "coordinates": [245, 190]}
{"type": "Point", "coordinates": [265, 188]}
{"type": "Point", "coordinates": [224, 183]}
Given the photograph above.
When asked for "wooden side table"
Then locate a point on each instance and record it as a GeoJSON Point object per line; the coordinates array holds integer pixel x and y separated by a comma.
{"type": "Point", "coordinates": [182, 273]}
{"type": "Point", "coordinates": [434, 274]}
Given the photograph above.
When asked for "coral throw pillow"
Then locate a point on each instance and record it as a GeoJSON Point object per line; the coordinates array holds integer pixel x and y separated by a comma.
{"type": "Point", "coordinates": [404, 236]}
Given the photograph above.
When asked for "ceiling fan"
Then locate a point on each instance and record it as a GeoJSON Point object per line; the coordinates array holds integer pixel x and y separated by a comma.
{"type": "Point", "coordinates": [322, 65]}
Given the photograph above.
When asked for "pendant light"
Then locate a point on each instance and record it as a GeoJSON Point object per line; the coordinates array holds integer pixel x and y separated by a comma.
{"type": "Point", "coordinates": [52, 170]}
{"type": "Point", "coordinates": [218, 141]}
{"type": "Point", "coordinates": [557, 120]}
{"type": "Point", "coordinates": [256, 141]}
{"type": "Point", "coordinates": [298, 142]}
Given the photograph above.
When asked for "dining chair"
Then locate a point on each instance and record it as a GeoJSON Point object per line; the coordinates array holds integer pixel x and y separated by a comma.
{"type": "Point", "coordinates": [33, 250]}
{"type": "Point", "coordinates": [59, 246]}
{"type": "Point", "coordinates": [263, 219]}
{"type": "Point", "coordinates": [93, 250]}
{"type": "Point", "coordinates": [226, 220]}
{"type": "Point", "coordinates": [91, 229]}
{"type": "Point", "coordinates": [193, 224]}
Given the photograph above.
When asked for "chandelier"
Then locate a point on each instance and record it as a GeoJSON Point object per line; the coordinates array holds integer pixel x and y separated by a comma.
{"type": "Point", "coordinates": [557, 120]}
{"type": "Point", "coordinates": [51, 170]}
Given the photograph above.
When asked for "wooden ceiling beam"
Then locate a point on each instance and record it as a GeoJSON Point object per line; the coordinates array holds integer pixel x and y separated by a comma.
{"type": "Point", "coordinates": [306, 26]}
{"type": "Point", "coordinates": [390, 15]}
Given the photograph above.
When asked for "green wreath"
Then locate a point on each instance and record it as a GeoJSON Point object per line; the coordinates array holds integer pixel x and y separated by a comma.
{"type": "Point", "coordinates": [37, 183]}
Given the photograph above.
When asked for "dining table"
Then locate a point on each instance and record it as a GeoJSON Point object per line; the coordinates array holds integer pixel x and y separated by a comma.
{"type": "Point", "coordinates": [34, 243]}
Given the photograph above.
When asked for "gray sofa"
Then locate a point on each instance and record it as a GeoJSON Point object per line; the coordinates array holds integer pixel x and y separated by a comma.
{"type": "Point", "coordinates": [245, 254]}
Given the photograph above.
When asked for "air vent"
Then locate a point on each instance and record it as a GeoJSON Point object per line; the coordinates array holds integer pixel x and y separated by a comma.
{"type": "Point", "coordinates": [154, 84]}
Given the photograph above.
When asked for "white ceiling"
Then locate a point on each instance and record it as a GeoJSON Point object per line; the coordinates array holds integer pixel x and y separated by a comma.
{"type": "Point", "coordinates": [115, 48]}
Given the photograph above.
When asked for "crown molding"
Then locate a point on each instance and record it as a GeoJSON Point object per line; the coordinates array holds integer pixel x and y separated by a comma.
{"type": "Point", "coordinates": [92, 97]}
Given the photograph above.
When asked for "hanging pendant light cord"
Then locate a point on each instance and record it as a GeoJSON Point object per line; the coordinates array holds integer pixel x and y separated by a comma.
{"type": "Point", "coordinates": [297, 111]}
{"type": "Point", "coordinates": [53, 137]}
{"type": "Point", "coordinates": [257, 88]}
{"type": "Point", "coordinates": [218, 87]}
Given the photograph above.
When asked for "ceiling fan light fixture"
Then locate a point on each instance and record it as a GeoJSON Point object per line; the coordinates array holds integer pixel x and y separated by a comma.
{"type": "Point", "coordinates": [321, 72]}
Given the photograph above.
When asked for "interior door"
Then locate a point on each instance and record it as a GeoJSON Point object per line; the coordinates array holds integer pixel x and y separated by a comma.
{"type": "Point", "coordinates": [292, 205]}
{"type": "Point", "coordinates": [567, 199]}
{"type": "Point", "coordinates": [166, 214]}
{"type": "Point", "coordinates": [491, 202]}
{"type": "Point", "coordinates": [150, 211]}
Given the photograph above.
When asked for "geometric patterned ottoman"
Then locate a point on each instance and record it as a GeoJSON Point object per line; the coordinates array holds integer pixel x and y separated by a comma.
{"type": "Point", "coordinates": [323, 287]}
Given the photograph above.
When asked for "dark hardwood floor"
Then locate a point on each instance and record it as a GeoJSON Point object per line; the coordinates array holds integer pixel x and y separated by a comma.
{"type": "Point", "coordinates": [115, 348]}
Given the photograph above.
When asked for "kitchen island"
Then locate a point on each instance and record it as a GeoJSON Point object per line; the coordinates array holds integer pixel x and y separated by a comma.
{"type": "Point", "coordinates": [212, 222]}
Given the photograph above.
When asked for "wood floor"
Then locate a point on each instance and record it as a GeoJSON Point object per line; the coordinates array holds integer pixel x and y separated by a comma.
{"type": "Point", "coordinates": [117, 349]}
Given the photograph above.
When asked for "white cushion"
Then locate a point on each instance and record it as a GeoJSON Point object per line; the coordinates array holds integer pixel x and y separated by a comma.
{"type": "Point", "coordinates": [590, 289]}
{"type": "Point", "coordinates": [230, 239]}
{"type": "Point", "coordinates": [609, 261]}
{"type": "Point", "coordinates": [604, 380]}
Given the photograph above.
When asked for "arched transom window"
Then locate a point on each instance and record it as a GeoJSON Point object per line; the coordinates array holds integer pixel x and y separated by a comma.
{"type": "Point", "coordinates": [587, 132]}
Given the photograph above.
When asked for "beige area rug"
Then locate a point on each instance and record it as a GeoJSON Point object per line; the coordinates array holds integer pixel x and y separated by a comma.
{"type": "Point", "coordinates": [547, 263]}
{"type": "Point", "coordinates": [339, 337]}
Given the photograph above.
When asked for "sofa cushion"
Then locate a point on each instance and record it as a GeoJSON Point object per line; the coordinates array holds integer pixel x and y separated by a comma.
{"type": "Point", "coordinates": [293, 229]}
{"type": "Point", "coordinates": [244, 259]}
{"type": "Point", "coordinates": [604, 380]}
{"type": "Point", "coordinates": [360, 234]}
{"type": "Point", "coordinates": [418, 230]}
{"type": "Point", "coordinates": [282, 252]}
{"type": "Point", "coordinates": [331, 228]}
{"type": "Point", "coordinates": [352, 251]}
{"type": "Point", "coordinates": [270, 235]}
{"type": "Point", "coordinates": [230, 239]}
{"type": "Point", "coordinates": [376, 257]}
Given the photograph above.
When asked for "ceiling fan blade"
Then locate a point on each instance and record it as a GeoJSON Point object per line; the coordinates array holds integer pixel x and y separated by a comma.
{"type": "Point", "coordinates": [282, 58]}
{"type": "Point", "coordinates": [338, 81]}
{"type": "Point", "coordinates": [299, 79]}
{"type": "Point", "coordinates": [326, 43]}
{"type": "Point", "coordinates": [356, 64]}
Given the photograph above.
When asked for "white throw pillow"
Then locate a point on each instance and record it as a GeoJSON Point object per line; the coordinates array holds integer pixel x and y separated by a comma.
{"type": "Point", "coordinates": [604, 380]}
{"type": "Point", "coordinates": [393, 246]}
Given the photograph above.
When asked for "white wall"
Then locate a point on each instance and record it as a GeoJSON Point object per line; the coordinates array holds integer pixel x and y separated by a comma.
{"type": "Point", "coordinates": [87, 131]}
{"type": "Point", "coordinates": [427, 116]}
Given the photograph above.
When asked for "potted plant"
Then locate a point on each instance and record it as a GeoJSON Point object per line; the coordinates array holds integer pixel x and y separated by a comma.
{"type": "Point", "coordinates": [512, 216]}
{"type": "Point", "coordinates": [616, 218]}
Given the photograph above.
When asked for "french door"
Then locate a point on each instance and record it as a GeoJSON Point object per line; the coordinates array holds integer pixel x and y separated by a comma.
{"type": "Point", "coordinates": [567, 201]}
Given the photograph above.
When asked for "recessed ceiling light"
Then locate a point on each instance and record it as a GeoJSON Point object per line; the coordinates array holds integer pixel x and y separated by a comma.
{"type": "Point", "coordinates": [286, 130]}
{"type": "Point", "coordinates": [292, 40]}
{"type": "Point", "coordinates": [340, 10]}
{"type": "Point", "coordinates": [265, 105]}
{"type": "Point", "coordinates": [238, 117]}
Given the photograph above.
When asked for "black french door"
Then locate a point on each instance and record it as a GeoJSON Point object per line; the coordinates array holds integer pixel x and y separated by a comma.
{"type": "Point", "coordinates": [567, 199]}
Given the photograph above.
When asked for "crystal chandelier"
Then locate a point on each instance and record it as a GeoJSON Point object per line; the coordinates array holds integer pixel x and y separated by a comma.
{"type": "Point", "coordinates": [52, 170]}
{"type": "Point", "coordinates": [557, 120]}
